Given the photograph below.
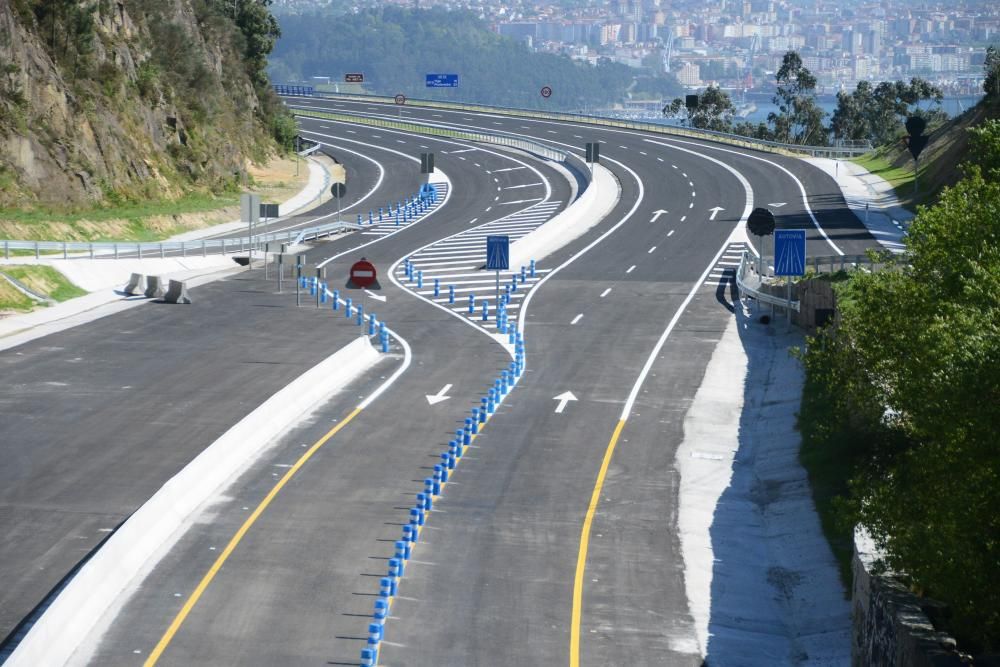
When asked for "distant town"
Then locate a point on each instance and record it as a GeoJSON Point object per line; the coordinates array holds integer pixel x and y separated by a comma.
{"type": "Point", "coordinates": [738, 44]}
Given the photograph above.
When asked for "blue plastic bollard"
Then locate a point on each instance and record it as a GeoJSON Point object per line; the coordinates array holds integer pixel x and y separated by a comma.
{"type": "Point", "coordinates": [453, 447]}
{"type": "Point", "coordinates": [371, 324]}
{"type": "Point", "coordinates": [439, 478]}
{"type": "Point", "coordinates": [513, 283]}
{"type": "Point", "coordinates": [428, 486]}
{"type": "Point", "coordinates": [417, 516]}
{"type": "Point", "coordinates": [312, 287]}
{"type": "Point", "coordinates": [359, 219]}
{"type": "Point", "coordinates": [451, 294]}
{"type": "Point", "coordinates": [361, 314]}
{"type": "Point", "coordinates": [401, 549]}
{"type": "Point", "coordinates": [397, 219]}
{"type": "Point", "coordinates": [496, 390]}
{"type": "Point", "coordinates": [510, 338]}
{"type": "Point", "coordinates": [491, 404]}
{"type": "Point", "coordinates": [381, 328]}
{"type": "Point", "coordinates": [367, 657]}
{"type": "Point", "coordinates": [371, 218]}
{"type": "Point", "coordinates": [375, 631]}
{"type": "Point", "coordinates": [420, 279]}
{"type": "Point", "coordinates": [347, 306]}
{"type": "Point", "coordinates": [382, 607]}
{"type": "Point", "coordinates": [380, 214]}
{"type": "Point", "coordinates": [452, 459]}
{"type": "Point", "coordinates": [532, 269]}
{"type": "Point", "coordinates": [472, 304]}
{"type": "Point", "coordinates": [322, 293]}
{"type": "Point", "coordinates": [504, 382]}
{"type": "Point", "coordinates": [523, 274]}
{"type": "Point", "coordinates": [460, 439]}
{"type": "Point", "coordinates": [486, 305]}
{"type": "Point", "coordinates": [385, 587]}
{"type": "Point", "coordinates": [437, 287]}
{"type": "Point", "coordinates": [467, 433]}
{"type": "Point", "coordinates": [409, 534]}
{"type": "Point", "coordinates": [385, 344]}
{"type": "Point", "coordinates": [484, 403]}
{"type": "Point", "coordinates": [395, 568]}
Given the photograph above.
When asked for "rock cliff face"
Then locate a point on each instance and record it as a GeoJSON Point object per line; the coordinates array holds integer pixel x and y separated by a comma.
{"type": "Point", "coordinates": [108, 100]}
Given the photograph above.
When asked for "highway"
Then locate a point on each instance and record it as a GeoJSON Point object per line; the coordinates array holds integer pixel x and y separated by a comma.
{"type": "Point", "coordinates": [556, 540]}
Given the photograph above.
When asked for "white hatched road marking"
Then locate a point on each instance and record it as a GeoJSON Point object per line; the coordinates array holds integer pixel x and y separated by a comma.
{"type": "Point", "coordinates": [724, 269]}
{"type": "Point", "coordinates": [458, 262]}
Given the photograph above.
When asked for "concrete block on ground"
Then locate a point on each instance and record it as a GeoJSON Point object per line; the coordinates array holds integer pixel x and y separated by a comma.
{"type": "Point", "coordinates": [136, 285]}
{"type": "Point", "coordinates": [177, 292]}
{"type": "Point", "coordinates": [154, 287]}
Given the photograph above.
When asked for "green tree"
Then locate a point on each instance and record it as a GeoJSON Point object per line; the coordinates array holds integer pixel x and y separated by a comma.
{"type": "Point", "coordinates": [913, 370]}
{"type": "Point", "coordinates": [799, 119]}
{"type": "Point", "coordinates": [714, 112]}
{"type": "Point", "coordinates": [876, 113]}
{"type": "Point", "coordinates": [991, 69]}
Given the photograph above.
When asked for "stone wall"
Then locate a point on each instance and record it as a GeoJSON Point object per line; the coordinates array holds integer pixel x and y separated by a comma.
{"type": "Point", "coordinates": [890, 629]}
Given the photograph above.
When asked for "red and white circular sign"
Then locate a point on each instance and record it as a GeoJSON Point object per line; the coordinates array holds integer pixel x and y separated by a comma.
{"type": "Point", "coordinates": [546, 92]}
{"type": "Point", "coordinates": [400, 99]}
{"type": "Point", "coordinates": [363, 273]}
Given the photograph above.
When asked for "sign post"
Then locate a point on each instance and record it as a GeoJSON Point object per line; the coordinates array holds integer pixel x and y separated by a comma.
{"type": "Point", "coordinates": [298, 280]}
{"type": "Point", "coordinates": [250, 214]}
{"type": "Point", "coordinates": [761, 224]}
{"type": "Point", "coordinates": [498, 258]}
{"type": "Point", "coordinates": [400, 100]}
{"type": "Point", "coordinates": [789, 258]}
{"type": "Point", "coordinates": [338, 190]}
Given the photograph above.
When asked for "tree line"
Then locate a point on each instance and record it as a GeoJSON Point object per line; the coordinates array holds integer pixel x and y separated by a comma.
{"type": "Point", "coordinates": [872, 112]}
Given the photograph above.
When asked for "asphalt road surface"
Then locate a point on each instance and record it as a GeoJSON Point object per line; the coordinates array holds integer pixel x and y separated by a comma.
{"type": "Point", "coordinates": [625, 318]}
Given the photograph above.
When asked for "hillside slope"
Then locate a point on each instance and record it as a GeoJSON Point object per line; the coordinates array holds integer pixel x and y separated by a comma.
{"type": "Point", "coordinates": [947, 149]}
{"type": "Point", "coordinates": [108, 101]}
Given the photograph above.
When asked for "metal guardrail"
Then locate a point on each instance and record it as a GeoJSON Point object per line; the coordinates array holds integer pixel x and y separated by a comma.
{"type": "Point", "coordinates": [747, 269]}
{"type": "Point", "coordinates": [114, 250]}
{"type": "Point", "coordinates": [722, 137]}
{"type": "Point", "coordinates": [441, 131]}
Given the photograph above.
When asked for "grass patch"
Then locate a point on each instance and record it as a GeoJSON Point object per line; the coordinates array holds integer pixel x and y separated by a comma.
{"type": "Point", "coordinates": [901, 178]}
{"type": "Point", "coordinates": [43, 280]}
{"type": "Point", "coordinates": [12, 299]}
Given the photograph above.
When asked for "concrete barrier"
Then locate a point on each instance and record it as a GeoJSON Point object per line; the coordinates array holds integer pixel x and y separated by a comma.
{"type": "Point", "coordinates": [154, 287]}
{"type": "Point", "coordinates": [136, 285]}
{"type": "Point", "coordinates": [141, 541]}
{"type": "Point", "coordinates": [588, 210]}
{"type": "Point", "coordinates": [177, 292]}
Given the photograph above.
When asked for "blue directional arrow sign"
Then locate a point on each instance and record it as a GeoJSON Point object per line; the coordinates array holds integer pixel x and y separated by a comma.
{"type": "Point", "coordinates": [497, 253]}
{"type": "Point", "coordinates": [789, 252]}
{"type": "Point", "coordinates": [442, 81]}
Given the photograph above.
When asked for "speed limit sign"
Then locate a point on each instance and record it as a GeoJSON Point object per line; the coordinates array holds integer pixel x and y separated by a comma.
{"type": "Point", "coordinates": [400, 99]}
{"type": "Point", "coordinates": [546, 92]}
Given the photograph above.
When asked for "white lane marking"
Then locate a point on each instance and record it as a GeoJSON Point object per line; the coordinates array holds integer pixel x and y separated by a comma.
{"type": "Point", "coordinates": [497, 171]}
{"type": "Point", "coordinates": [657, 214]}
{"type": "Point", "coordinates": [552, 132]}
{"type": "Point", "coordinates": [684, 174]}
{"type": "Point", "coordinates": [440, 396]}
{"type": "Point", "coordinates": [683, 218]}
{"type": "Point", "coordinates": [351, 132]}
{"type": "Point", "coordinates": [375, 296]}
{"type": "Point", "coordinates": [520, 201]}
{"type": "Point", "coordinates": [643, 153]}
{"type": "Point", "coordinates": [715, 211]}
{"type": "Point", "coordinates": [488, 209]}
{"type": "Point", "coordinates": [563, 399]}
{"type": "Point", "coordinates": [526, 185]}
{"type": "Point", "coordinates": [651, 250]}
{"type": "Point", "coordinates": [422, 146]}
{"type": "Point", "coordinates": [400, 141]}
{"type": "Point", "coordinates": [473, 221]}
{"type": "Point", "coordinates": [674, 166]}
{"type": "Point", "coordinates": [660, 159]}
{"type": "Point", "coordinates": [463, 150]}
{"type": "Point", "coordinates": [478, 165]}
{"type": "Point", "coordinates": [605, 292]}
{"type": "Point", "coordinates": [691, 205]}
{"type": "Point", "coordinates": [691, 183]}
{"type": "Point", "coordinates": [497, 198]}
{"type": "Point", "coordinates": [630, 269]}
{"type": "Point", "coordinates": [625, 147]}
{"type": "Point", "coordinates": [670, 233]}
{"type": "Point", "coordinates": [577, 136]}
{"type": "Point", "coordinates": [525, 127]}
{"type": "Point", "coordinates": [802, 188]}
{"type": "Point", "coordinates": [694, 194]}
{"type": "Point", "coordinates": [575, 320]}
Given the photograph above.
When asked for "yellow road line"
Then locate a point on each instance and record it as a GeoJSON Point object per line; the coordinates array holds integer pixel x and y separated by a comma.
{"type": "Point", "coordinates": [581, 558]}
{"type": "Point", "coordinates": [234, 542]}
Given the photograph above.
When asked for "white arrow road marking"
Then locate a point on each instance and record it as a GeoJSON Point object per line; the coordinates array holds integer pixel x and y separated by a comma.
{"type": "Point", "coordinates": [777, 204]}
{"type": "Point", "coordinates": [715, 211]}
{"type": "Point", "coordinates": [440, 396]}
{"type": "Point", "coordinates": [383, 299]}
{"type": "Point", "coordinates": [563, 399]}
{"type": "Point", "coordinates": [656, 215]}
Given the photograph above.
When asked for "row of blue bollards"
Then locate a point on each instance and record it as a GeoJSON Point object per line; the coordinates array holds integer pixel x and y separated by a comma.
{"type": "Point", "coordinates": [434, 487]}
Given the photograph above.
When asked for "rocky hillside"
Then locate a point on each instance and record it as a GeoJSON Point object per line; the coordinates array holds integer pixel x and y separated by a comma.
{"type": "Point", "coordinates": [108, 101]}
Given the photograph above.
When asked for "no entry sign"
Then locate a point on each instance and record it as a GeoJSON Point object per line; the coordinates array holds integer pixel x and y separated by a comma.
{"type": "Point", "coordinates": [363, 275]}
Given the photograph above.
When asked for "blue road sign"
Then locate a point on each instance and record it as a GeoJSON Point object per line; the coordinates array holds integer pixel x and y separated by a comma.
{"type": "Point", "coordinates": [497, 253]}
{"type": "Point", "coordinates": [442, 81]}
{"type": "Point", "coordinates": [789, 252]}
